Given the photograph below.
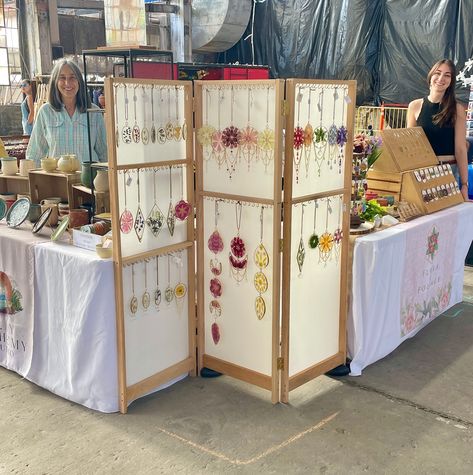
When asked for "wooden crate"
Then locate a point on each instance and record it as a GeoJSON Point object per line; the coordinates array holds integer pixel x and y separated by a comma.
{"type": "Point", "coordinates": [82, 194]}
{"type": "Point", "coordinates": [14, 184]}
{"type": "Point", "coordinates": [430, 189]}
{"type": "Point", "coordinates": [48, 184]}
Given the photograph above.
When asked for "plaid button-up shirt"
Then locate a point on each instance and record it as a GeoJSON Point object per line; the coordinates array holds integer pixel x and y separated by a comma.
{"type": "Point", "coordinates": [56, 133]}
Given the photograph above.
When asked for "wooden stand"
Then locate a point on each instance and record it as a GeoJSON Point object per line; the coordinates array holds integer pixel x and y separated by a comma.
{"type": "Point", "coordinates": [46, 184]}
{"type": "Point", "coordinates": [14, 184]}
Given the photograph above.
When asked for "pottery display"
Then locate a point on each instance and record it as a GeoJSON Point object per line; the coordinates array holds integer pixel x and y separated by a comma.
{"type": "Point", "coordinates": [9, 166]}
{"type": "Point", "coordinates": [101, 180]}
{"type": "Point", "coordinates": [51, 201]}
{"type": "Point", "coordinates": [78, 217]}
{"type": "Point", "coordinates": [34, 213]}
{"type": "Point", "coordinates": [53, 217]}
{"type": "Point", "coordinates": [49, 164]}
{"type": "Point", "coordinates": [68, 163]}
{"type": "Point", "coordinates": [88, 174]}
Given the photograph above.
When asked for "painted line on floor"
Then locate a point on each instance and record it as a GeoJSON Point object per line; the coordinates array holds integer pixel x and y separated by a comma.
{"type": "Point", "coordinates": [272, 449]}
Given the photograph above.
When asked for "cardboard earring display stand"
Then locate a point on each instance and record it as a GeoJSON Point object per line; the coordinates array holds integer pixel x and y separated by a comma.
{"type": "Point", "coordinates": [268, 313]}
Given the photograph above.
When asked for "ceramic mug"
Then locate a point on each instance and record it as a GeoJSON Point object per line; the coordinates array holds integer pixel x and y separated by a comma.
{"type": "Point", "coordinates": [26, 166]}
{"type": "Point", "coordinates": [53, 217]}
{"type": "Point", "coordinates": [78, 217]}
{"type": "Point", "coordinates": [50, 201]}
{"type": "Point", "coordinates": [34, 213]}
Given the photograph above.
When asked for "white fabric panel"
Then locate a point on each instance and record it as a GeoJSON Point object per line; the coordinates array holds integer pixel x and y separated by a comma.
{"type": "Point", "coordinates": [75, 352]}
{"type": "Point", "coordinates": [373, 324]}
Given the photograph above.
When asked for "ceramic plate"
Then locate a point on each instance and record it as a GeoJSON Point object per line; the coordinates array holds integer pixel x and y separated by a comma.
{"type": "Point", "coordinates": [18, 212]}
{"type": "Point", "coordinates": [42, 220]}
{"type": "Point", "coordinates": [3, 208]}
{"type": "Point", "coordinates": [59, 231]}
{"type": "Point", "coordinates": [363, 228]}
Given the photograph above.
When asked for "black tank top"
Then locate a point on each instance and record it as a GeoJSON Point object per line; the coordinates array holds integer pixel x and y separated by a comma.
{"type": "Point", "coordinates": [442, 139]}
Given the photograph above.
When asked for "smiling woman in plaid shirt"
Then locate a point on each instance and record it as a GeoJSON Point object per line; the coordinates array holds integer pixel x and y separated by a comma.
{"type": "Point", "coordinates": [61, 124]}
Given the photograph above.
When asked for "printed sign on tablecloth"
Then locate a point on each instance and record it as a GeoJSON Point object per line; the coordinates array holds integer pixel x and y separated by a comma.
{"type": "Point", "coordinates": [426, 294]}
{"type": "Point", "coordinates": [16, 305]}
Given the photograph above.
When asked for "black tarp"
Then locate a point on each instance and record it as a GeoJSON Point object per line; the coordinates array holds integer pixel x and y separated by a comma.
{"type": "Point", "coordinates": [388, 46]}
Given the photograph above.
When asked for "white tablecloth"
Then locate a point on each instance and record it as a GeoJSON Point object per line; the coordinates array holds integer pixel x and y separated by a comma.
{"type": "Point", "coordinates": [74, 346]}
{"type": "Point", "coordinates": [381, 273]}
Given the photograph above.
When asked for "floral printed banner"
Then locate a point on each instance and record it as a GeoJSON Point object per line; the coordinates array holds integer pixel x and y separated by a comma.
{"type": "Point", "coordinates": [426, 294]}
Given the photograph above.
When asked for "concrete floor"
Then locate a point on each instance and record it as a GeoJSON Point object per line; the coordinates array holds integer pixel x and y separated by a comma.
{"type": "Point", "coordinates": [411, 412]}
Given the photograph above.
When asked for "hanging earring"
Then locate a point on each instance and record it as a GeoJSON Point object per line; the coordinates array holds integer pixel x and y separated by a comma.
{"type": "Point", "coordinates": [144, 130]}
{"type": "Point", "coordinates": [155, 219]}
{"type": "Point", "coordinates": [342, 137]}
{"type": "Point", "coordinates": [215, 245]}
{"type": "Point", "coordinates": [161, 133]}
{"type": "Point", "coordinates": [157, 292]}
{"type": "Point", "coordinates": [205, 133]}
{"type": "Point", "coordinates": [332, 133]}
{"type": "Point", "coordinates": [153, 127]}
{"type": "Point", "coordinates": [136, 130]}
{"type": "Point", "coordinates": [171, 219]}
{"type": "Point", "coordinates": [169, 127]}
{"type": "Point", "coordinates": [298, 137]}
{"type": "Point", "coordinates": [126, 218]}
{"type": "Point", "coordinates": [338, 233]}
{"type": "Point", "coordinates": [314, 238]}
{"type": "Point", "coordinates": [249, 136]}
{"type": "Point", "coordinates": [326, 240]}
{"type": "Point", "coordinates": [231, 138]}
{"type": "Point", "coordinates": [300, 256]}
{"type": "Point", "coordinates": [139, 218]}
{"type": "Point", "coordinates": [145, 298]}
{"type": "Point", "coordinates": [169, 291]}
{"type": "Point", "coordinates": [217, 137]}
{"type": "Point", "coordinates": [133, 301]}
{"type": "Point", "coordinates": [126, 131]}
{"type": "Point", "coordinates": [238, 257]}
{"type": "Point", "coordinates": [215, 312]}
{"type": "Point", "coordinates": [115, 99]}
{"type": "Point", "coordinates": [266, 139]}
{"type": "Point", "coordinates": [177, 125]}
{"type": "Point", "coordinates": [182, 208]}
{"type": "Point", "coordinates": [261, 258]}
{"type": "Point", "coordinates": [308, 136]}
{"type": "Point", "coordinates": [180, 290]}
{"type": "Point", "coordinates": [320, 136]}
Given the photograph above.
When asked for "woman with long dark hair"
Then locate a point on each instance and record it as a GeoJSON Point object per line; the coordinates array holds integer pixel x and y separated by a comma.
{"type": "Point", "coordinates": [61, 124]}
{"type": "Point", "coordinates": [27, 106]}
{"type": "Point", "coordinates": [443, 120]}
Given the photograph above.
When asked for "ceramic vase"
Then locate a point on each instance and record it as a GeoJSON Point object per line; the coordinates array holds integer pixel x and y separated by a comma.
{"type": "Point", "coordinates": [87, 174]}
{"type": "Point", "coordinates": [101, 181]}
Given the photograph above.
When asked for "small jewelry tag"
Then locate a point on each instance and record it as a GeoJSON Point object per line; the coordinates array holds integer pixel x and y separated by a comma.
{"type": "Point", "coordinates": [129, 180]}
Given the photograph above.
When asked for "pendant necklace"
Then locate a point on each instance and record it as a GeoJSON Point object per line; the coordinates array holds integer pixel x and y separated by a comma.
{"type": "Point", "coordinates": [144, 130]}
{"type": "Point", "coordinates": [161, 133]}
{"type": "Point", "coordinates": [117, 134]}
{"type": "Point", "coordinates": [217, 138]}
{"type": "Point", "coordinates": [342, 137]}
{"type": "Point", "coordinates": [126, 131]}
{"type": "Point", "coordinates": [169, 127]}
{"type": "Point", "coordinates": [338, 233]}
{"type": "Point", "coordinates": [126, 218]}
{"type": "Point", "coordinates": [157, 292]}
{"type": "Point", "coordinates": [332, 134]}
{"type": "Point", "coordinates": [326, 239]}
{"type": "Point", "coordinates": [182, 209]}
{"type": "Point", "coordinates": [145, 298]}
{"type": "Point", "coordinates": [231, 139]}
{"type": "Point", "coordinates": [320, 136]}
{"type": "Point", "coordinates": [169, 291]}
{"type": "Point", "coordinates": [153, 128]}
{"type": "Point", "coordinates": [180, 290]}
{"type": "Point", "coordinates": [260, 280]}
{"type": "Point", "coordinates": [139, 218]}
{"type": "Point", "coordinates": [155, 219]}
{"type": "Point", "coordinates": [205, 133]}
{"type": "Point", "coordinates": [300, 256]}
{"type": "Point", "coordinates": [249, 136]}
{"type": "Point", "coordinates": [177, 134]}
{"type": "Point", "coordinates": [215, 311]}
{"type": "Point", "coordinates": [133, 301]}
{"type": "Point", "coordinates": [266, 139]}
{"type": "Point", "coordinates": [136, 130]}
{"type": "Point", "coordinates": [184, 122]}
{"type": "Point", "coordinates": [171, 218]}
{"type": "Point", "coordinates": [314, 238]}
{"type": "Point", "coordinates": [215, 245]}
{"type": "Point", "coordinates": [238, 257]}
{"type": "Point", "coordinates": [308, 137]}
{"type": "Point", "coordinates": [298, 137]}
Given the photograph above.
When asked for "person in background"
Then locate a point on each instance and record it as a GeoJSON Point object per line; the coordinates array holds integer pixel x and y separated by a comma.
{"type": "Point", "coordinates": [27, 106]}
{"type": "Point", "coordinates": [443, 120]}
{"type": "Point", "coordinates": [61, 124]}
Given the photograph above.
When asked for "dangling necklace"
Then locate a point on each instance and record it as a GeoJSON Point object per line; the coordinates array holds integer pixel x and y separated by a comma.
{"type": "Point", "coordinates": [205, 133]}
{"type": "Point", "coordinates": [326, 240]}
{"type": "Point", "coordinates": [169, 291]}
{"type": "Point", "coordinates": [169, 125]}
{"type": "Point", "coordinates": [300, 256]}
{"type": "Point", "coordinates": [266, 139]}
{"type": "Point", "coordinates": [182, 208]}
{"type": "Point", "coordinates": [133, 301]}
{"type": "Point", "coordinates": [153, 127]}
{"type": "Point", "coordinates": [320, 136]}
{"type": "Point", "coordinates": [249, 136]}
{"type": "Point", "coordinates": [144, 130]}
{"type": "Point", "coordinates": [332, 133]}
{"type": "Point", "coordinates": [126, 131]}
{"type": "Point", "coordinates": [215, 245]}
{"type": "Point", "coordinates": [115, 98]}
{"type": "Point", "coordinates": [139, 218]}
{"type": "Point", "coordinates": [180, 290]}
{"type": "Point", "coordinates": [260, 280]}
{"type": "Point", "coordinates": [171, 219]}
{"type": "Point", "coordinates": [126, 218]}
{"type": "Point", "coordinates": [231, 138]}
{"type": "Point", "coordinates": [161, 134]}
{"type": "Point", "coordinates": [338, 233]}
{"type": "Point", "coordinates": [145, 298]}
{"type": "Point", "coordinates": [217, 137]}
{"type": "Point", "coordinates": [155, 219]}
{"type": "Point", "coordinates": [136, 130]}
{"type": "Point", "coordinates": [308, 136]}
{"type": "Point", "coordinates": [238, 257]}
{"type": "Point", "coordinates": [298, 137]}
{"type": "Point", "coordinates": [157, 292]}
{"type": "Point", "coordinates": [342, 136]}
{"type": "Point", "coordinates": [177, 125]}
{"type": "Point", "coordinates": [314, 238]}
